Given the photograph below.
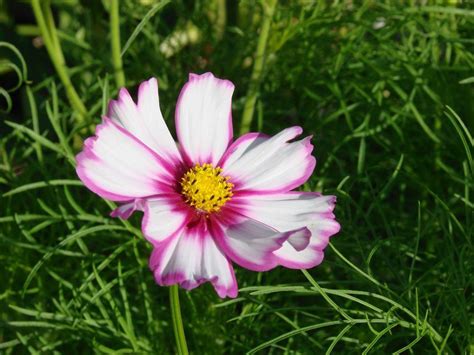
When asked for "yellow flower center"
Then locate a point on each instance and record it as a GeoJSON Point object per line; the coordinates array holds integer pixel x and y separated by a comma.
{"type": "Point", "coordinates": [205, 189]}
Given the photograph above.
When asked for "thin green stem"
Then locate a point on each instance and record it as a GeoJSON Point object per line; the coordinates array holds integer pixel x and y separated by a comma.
{"type": "Point", "coordinates": [177, 321]}
{"type": "Point", "coordinates": [325, 295]}
{"type": "Point", "coordinates": [35, 120]}
{"type": "Point", "coordinates": [49, 34]}
{"type": "Point", "coordinates": [49, 19]}
{"type": "Point", "coordinates": [115, 43]}
{"type": "Point", "coordinates": [257, 72]}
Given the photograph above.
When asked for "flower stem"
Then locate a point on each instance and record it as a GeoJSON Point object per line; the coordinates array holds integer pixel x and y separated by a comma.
{"type": "Point", "coordinates": [256, 77]}
{"type": "Point", "coordinates": [177, 321]}
{"type": "Point", "coordinates": [115, 43]}
{"type": "Point", "coordinates": [48, 32]}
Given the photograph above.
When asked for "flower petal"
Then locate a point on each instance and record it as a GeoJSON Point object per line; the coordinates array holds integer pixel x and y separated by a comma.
{"type": "Point", "coordinates": [125, 211]}
{"type": "Point", "coordinates": [145, 120]}
{"type": "Point", "coordinates": [299, 240]}
{"type": "Point", "coordinates": [204, 118]}
{"type": "Point", "coordinates": [292, 210]}
{"type": "Point", "coordinates": [117, 166]}
{"type": "Point", "coordinates": [313, 254]}
{"type": "Point", "coordinates": [165, 216]}
{"type": "Point", "coordinates": [257, 163]}
{"type": "Point", "coordinates": [192, 258]}
{"type": "Point", "coordinates": [248, 242]}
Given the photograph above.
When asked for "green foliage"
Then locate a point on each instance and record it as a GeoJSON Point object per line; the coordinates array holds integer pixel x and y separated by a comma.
{"type": "Point", "coordinates": [385, 87]}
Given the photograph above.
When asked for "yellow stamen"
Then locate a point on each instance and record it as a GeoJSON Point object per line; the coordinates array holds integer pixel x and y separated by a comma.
{"type": "Point", "coordinates": [204, 188]}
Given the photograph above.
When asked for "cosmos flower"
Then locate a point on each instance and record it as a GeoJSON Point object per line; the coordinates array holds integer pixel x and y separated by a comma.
{"type": "Point", "coordinates": [208, 201]}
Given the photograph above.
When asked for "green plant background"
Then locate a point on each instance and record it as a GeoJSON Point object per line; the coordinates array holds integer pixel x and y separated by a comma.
{"type": "Point", "coordinates": [385, 88]}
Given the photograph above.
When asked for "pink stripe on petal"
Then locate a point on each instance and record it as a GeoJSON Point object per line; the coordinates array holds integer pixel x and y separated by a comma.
{"type": "Point", "coordinates": [164, 217]}
{"type": "Point", "coordinates": [191, 258]}
{"type": "Point", "coordinates": [204, 118]}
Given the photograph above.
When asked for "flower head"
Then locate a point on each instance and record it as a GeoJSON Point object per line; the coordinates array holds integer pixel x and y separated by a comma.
{"type": "Point", "coordinates": [208, 201]}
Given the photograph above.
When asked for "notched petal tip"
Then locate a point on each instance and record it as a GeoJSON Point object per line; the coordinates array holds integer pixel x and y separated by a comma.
{"type": "Point", "coordinates": [147, 87]}
{"type": "Point", "coordinates": [224, 292]}
{"type": "Point", "coordinates": [208, 76]}
{"type": "Point", "coordinates": [124, 95]}
{"type": "Point", "coordinates": [193, 76]}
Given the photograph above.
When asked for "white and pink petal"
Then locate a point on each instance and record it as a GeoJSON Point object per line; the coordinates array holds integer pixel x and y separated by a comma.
{"type": "Point", "coordinates": [204, 118]}
{"type": "Point", "coordinates": [125, 210]}
{"type": "Point", "coordinates": [289, 211]}
{"type": "Point", "coordinates": [192, 258]}
{"type": "Point", "coordinates": [144, 119]}
{"type": "Point", "coordinates": [313, 254]}
{"type": "Point", "coordinates": [119, 167]}
{"type": "Point", "coordinates": [251, 243]}
{"type": "Point", "coordinates": [257, 163]}
{"type": "Point", "coordinates": [165, 217]}
{"type": "Point", "coordinates": [285, 211]}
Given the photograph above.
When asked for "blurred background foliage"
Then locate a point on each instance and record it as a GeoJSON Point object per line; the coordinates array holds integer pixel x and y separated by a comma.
{"type": "Point", "coordinates": [384, 86]}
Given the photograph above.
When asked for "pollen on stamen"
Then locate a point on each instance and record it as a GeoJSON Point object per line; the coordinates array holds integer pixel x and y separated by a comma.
{"type": "Point", "coordinates": [204, 188]}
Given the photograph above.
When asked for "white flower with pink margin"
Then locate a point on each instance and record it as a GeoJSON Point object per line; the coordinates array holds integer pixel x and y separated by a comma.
{"type": "Point", "coordinates": [208, 201]}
